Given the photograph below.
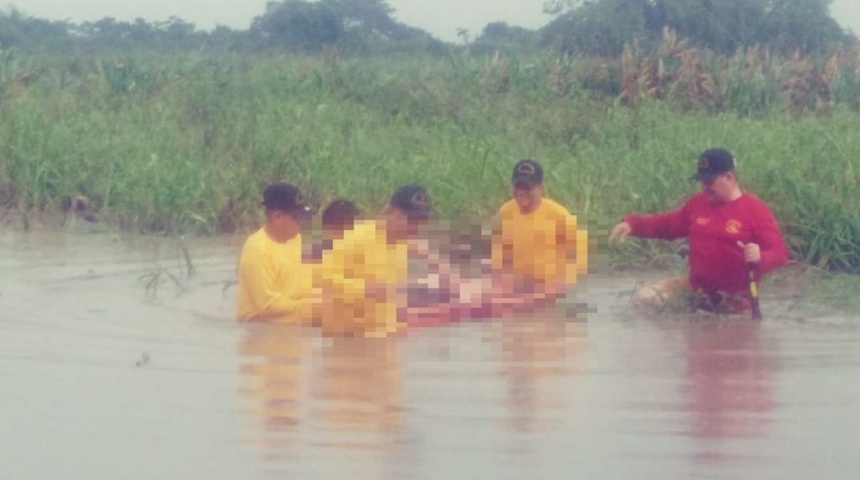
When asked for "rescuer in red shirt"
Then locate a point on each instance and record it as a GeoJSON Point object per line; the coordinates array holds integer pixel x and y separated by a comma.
{"type": "Point", "coordinates": [726, 227]}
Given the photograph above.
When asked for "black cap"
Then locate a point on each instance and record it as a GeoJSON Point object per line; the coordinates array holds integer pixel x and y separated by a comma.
{"type": "Point", "coordinates": [286, 197]}
{"type": "Point", "coordinates": [527, 173]}
{"type": "Point", "coordinates": [413, 200]}
{"type": "Point", "coordinates": [712, 163]}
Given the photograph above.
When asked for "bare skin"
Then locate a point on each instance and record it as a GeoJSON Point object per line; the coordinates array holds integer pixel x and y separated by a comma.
{"type": "Point", "coordinates": [528, 198]}
{"type": "Point", "coordinates": [281, 226]}
{"type": "Point", "coordinates": [490, 296]}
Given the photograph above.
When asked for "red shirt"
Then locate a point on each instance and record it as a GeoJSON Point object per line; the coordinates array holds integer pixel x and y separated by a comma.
{"type": "Point", "coordinates": [713, 230]}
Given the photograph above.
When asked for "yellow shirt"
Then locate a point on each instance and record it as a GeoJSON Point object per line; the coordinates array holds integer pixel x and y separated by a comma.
{"type": "Point", "coordinates": [273, 283]}
{"type": "Point", "coordinates": [543, 245]}
{"type": "Point", "coordinates": [361, 257]}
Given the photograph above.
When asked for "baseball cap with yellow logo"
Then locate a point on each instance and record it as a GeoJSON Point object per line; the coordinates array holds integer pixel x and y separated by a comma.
{"type": "Point", "coordinates": [287, 198]}
{"type": "Point", "coordinates": [712, 163]}
{"type": "Point", "coordinates": [527, 174]}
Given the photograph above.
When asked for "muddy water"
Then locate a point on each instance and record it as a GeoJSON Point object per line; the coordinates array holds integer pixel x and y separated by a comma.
{"type": "Point", "coordinates": [115, 362]}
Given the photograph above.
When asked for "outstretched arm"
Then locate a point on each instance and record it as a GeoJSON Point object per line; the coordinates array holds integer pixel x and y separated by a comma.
{"type": "Point", "coordinates": [667, 225]}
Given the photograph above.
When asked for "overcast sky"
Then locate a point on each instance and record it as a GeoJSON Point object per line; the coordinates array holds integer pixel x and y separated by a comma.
{"type": "Point", "coordinates": [440, 17]}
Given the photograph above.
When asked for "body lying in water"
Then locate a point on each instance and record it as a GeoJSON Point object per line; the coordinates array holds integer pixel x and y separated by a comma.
{"type": "Point", "coordinates": [375, 277]}
{"type": "Point", "coordinates": [382, 275]}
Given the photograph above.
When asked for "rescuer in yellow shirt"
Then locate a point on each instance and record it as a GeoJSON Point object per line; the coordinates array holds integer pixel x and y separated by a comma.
{"type": "Point", "coordinates": [538, 247]}
{"type": "Point", "coordinates": [363, 276]}
{"type": "Point", "coordinates": [273, 282]}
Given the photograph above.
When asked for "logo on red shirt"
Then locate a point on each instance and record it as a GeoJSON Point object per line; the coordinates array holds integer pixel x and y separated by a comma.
{"type": "Point", "coordinates": [733, 226]}
{"type": "Point", "coordinates": [702, 221]}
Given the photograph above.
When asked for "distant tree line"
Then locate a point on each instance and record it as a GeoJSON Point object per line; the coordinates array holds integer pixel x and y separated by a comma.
{"type": "Point", "coordinates": [603, 27]}
{"type": "Point", "coordinates": [351, 26]}
{"type": "Point", "coordinates": [366, 27]}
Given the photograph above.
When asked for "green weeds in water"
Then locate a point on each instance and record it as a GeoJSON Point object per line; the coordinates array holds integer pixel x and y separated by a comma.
{"type": "Point", "coordinates": [178, 277]}
{"type": "Point", "coordinates": [154, 281]}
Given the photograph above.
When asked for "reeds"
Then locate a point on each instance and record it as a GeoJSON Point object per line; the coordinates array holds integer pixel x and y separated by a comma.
{"type": "Point", "coordinates": [185, 143]}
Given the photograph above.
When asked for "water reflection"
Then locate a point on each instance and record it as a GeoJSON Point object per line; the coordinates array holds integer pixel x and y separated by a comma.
{"type": "Point", "coordinates": [273, 370]}
{"type": "Point", "coordinates": [358, 388]}
{"type": "Point", "coordinates": [664, 398]}
{"type": "Point", "coordinates": [313, 397]}
{"type": "Point", "coordinates": [537, 352]}
{"type": "Point", "coordinates": [730, 385]}
{"type": "Point", "coordinates": [358, 403]}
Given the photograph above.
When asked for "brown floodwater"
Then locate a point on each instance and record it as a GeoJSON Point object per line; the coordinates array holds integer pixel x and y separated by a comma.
{"type": "Point", "coordinates": [116, 363]}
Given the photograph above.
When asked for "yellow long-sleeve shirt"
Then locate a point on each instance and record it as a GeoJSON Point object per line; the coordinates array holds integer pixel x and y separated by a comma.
{"type": "Point", "coordinates": [544, 245]}
{"type": "Point", "coordinates": [362, 257]}
{"type": "Point", "coordinates": [273, 283]}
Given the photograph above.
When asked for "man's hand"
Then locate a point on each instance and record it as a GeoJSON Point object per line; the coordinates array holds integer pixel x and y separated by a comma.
{"type": "Point", "coordinates": [752, 252]}
{"type": "Point", "coordinates": [620, 232]}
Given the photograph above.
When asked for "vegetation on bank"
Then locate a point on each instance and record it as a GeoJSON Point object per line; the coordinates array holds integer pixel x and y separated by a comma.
{"type": "Point", "coordinates": [184, 142]}
{"type": "Point", "coordinates": [162, 127]}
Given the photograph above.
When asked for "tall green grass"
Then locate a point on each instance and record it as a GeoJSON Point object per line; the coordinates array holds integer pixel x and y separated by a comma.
{"type": "Point", "coordinates": [185, 143]}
